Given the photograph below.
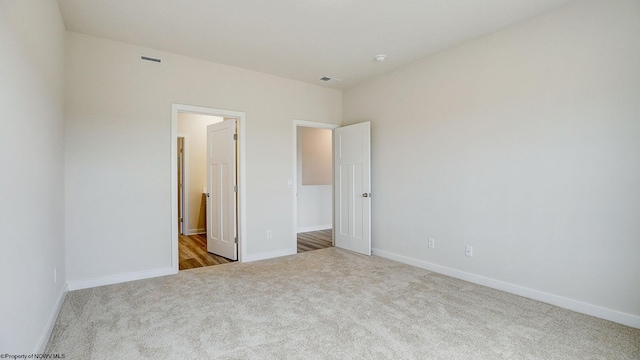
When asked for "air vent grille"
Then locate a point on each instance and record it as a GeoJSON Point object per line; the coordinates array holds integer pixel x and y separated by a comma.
{"type": "Point", "coordinates": [330, 79]}
{"type": "Point", "coordinates": [147, 58]}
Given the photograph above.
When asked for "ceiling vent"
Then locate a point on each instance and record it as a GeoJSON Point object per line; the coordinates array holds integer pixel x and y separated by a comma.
{"type": "Point", "coordinates": [329, 79]}
{"type": "Point", "coordinates": [147, 58]}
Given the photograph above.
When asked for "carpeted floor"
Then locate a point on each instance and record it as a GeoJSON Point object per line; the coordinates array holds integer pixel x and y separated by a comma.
{"type": "Point", "coordinates": [325, 304]}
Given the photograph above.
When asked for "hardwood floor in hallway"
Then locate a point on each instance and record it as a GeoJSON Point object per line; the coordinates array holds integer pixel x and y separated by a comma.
{"type": "Point", "coordinates": [192, 249]}
{"type": "Point", "coordinates": [314, 240]}
{"type": "Point", "coordinates": [192, 252]}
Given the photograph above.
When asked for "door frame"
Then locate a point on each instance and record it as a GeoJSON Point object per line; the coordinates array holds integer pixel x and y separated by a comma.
{"type": "Point", "coordinates": [241, 165]}
{"type": "Point", "coordinates": [317, 125]}
{"type": "Point", "coordinates": [185, 185]}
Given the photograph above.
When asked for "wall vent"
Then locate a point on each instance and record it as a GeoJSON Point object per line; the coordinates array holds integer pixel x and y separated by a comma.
{"type": "Point", "coordinates": [150, 59]}
{"type": "Point", "coordinates": [329, 79]}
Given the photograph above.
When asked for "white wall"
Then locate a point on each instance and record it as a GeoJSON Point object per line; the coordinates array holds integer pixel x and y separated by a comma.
{"type": "Point", "coordinates": [31, 179]}
{"type": "Point", "coordinates": [194, 128]}
{"type": "Point", "coordinates": [316, 156]}
{"type": "Point", "coordinates": [524, 144]}
{"type": "Point", "coordinates": [118, 116]}
{"type": "Point", "coordinates": [314, 201]}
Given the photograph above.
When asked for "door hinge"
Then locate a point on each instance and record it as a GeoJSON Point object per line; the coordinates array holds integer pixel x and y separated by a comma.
{"type": "Point", "coordinates": [235, 188]}
{"type": "Point", "coordinates": [235, 239]}
{"type": "Point", "coordinates": [235, 136]}
{"type": "Point", "coordinates": [181, 220]}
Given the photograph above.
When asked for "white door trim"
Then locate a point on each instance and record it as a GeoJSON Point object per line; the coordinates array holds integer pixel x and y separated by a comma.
{"type": "Point", "coordinates": [311, 124]}
{"type": "Point", "coordinates": [242, 171]}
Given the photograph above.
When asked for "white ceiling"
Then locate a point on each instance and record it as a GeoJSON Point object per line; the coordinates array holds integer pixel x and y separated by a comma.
{"type": "Point", "coordinates": [299, 39]}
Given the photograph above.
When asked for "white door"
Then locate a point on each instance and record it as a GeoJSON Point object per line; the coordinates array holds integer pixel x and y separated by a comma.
{"type": "Point", "coordinates": [352, 187]}
{"type": "Point", "coordinates": [221, 198]}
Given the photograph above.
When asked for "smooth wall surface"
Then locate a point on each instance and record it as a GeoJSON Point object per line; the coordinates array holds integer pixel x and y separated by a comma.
{"type": "Point", "coordinates": [316, 156]}
{"type": "Point", "coordinates": [32, 163]}
{"type": "Point", "coordinates": [194, 128]}
{"type": "Point", "coordinates": [314, 201]}
{"type": "Point", "coordinates": [118, 116]}
{"type": "Point", "coordinates": [524, 144]}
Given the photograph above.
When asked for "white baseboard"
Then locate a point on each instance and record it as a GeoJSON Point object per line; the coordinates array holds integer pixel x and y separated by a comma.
{"type": "Point", "coordinates": [120, 278]}
{"type": "Point", "coordinates": [195, 231]}
{"type": "Point", "coordinates": [269, 255]}
{"type": "Point", "coordinates": [570, 304]}
{"type": "Point", "coordinates": [314, 228]}
{"type": "Point", "coordinates": [46, 334]}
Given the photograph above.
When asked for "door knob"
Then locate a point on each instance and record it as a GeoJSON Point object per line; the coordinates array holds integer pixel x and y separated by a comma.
{"type": "Point", "coordinates": [366, 195]}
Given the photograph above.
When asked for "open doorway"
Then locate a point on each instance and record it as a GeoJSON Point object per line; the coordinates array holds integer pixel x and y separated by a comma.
{"type": "Point", "coordinates": [192, 191]}
{"type": "Point", "coordinates": [207, 186]}
{"type": "Point", "coordinates": [313, 203]}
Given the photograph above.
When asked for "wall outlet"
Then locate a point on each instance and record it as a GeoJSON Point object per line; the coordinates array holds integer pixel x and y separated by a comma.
{"type": "Point", "coordinates": [269, 234]}
{"type": "Point", "coordinates": [432, 243]}
{"type": "Point", "coordinates": [55, 275]}
{"type": "Point", "coordinates": [468, 250]}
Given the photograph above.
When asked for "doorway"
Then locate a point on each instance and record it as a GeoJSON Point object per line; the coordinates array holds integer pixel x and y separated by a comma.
{"type": "Point", "coordinates": [192, 197]}
{"type": "Point", "coordinates": [313, 193]}
{"type": "Point", "coordinates": [193, 251]}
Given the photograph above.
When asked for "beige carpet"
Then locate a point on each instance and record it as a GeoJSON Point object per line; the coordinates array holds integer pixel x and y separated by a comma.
{"type": "Point", "coordinates": [325, 304]}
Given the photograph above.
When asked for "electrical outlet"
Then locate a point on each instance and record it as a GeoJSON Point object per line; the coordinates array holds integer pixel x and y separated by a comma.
{"type": "Point", "coordinates": [269, 234]}
{"type": "Point", "coordinates": [468, 250]}
{"type": "Point", "coordinates": [55, 275]}
{"type": "Point", "coordinates": [432, 243]}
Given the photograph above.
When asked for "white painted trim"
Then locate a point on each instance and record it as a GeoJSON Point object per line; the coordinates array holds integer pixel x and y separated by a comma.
{"type": "Point", "coordinates": [174, 181]}
{"type": "Point", "coordinates": [119, 278]}
{"type": "Point", "coordinates": [269, 255]}
{"type": "Point", "coordinates": [242, 177]}
{"type": "Point", "coordinates": [312, 124]}
{"type": "Point", "coordinates": [195, 231]}
{"type": "Point", "coordinates": [314, 228]}
{"type": "Point", "coordinates": [566, 303]}
{"type": "Point", "coordinates": [48, 329]}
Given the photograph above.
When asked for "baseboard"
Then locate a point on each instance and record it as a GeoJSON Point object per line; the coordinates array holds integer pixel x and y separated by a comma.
{"type": "Point", "coordinates": [46, 334]}
{"type": "Point", "coordinates": [268, 255]}
{"type": "Point", "coordinates": [314, 228]}
{"type": "Point", "coordinates": [120, 278]}
{"type": "Point", "coordinates": [196, 231]}
{"type": "Point", "coordinates": [570, 304]}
